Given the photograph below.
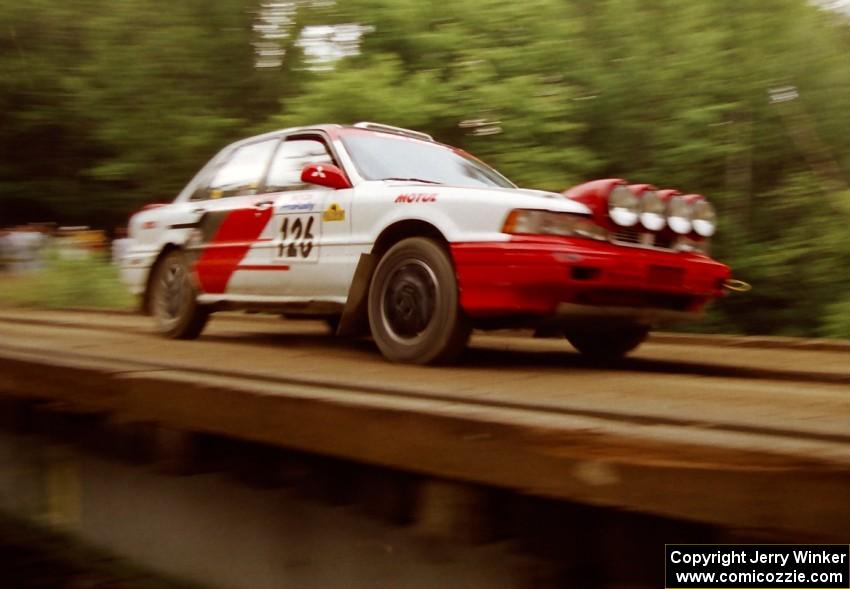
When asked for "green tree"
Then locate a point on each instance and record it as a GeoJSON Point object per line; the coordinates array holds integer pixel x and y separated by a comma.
{"type": "Point", "coordinates": [43, 145]}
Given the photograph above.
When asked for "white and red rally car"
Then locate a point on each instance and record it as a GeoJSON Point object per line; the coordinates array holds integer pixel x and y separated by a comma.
{"type": "Point", "coordinates": [380, 228]}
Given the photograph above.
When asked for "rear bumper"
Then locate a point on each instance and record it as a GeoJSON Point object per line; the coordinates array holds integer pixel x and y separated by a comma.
{"type": "Point", "coordinates": [578, 278]}
{"type": "Point", "coordinates": [135, 267]}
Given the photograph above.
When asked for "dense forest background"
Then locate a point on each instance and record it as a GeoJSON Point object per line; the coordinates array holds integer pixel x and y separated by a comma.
{"type": "Point", "coordinates": [107, 105]}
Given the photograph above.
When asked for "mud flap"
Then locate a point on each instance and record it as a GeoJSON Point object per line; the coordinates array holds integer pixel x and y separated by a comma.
{"type": "Point", "coordinates": [355, 315]}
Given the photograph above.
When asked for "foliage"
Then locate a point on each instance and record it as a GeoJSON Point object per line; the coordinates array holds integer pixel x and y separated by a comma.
{"type": "Point", "coordinates": [837, 319]}
{"type": "Point", "coordinates": [68, 279]}
{"type": "Point", "coordinates": [104, 106]}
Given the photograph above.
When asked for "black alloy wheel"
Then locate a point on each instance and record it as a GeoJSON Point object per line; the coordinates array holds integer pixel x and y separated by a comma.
{"type": "Point", "coordinates": [414, 312]}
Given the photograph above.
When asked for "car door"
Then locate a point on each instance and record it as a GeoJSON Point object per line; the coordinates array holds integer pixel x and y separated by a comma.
{"type": "Point", "coordinates": [304, 249]}
{"type": "Point", "coordinates": [232, 217]}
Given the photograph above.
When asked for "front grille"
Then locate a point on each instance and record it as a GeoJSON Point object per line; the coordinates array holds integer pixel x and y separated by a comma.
{"type": "Point", "coordinates": [665, 242]}
{"type": "Point", "coordinates": [639, 237]}
{"type": "Point", "coordinates": [627, 235]}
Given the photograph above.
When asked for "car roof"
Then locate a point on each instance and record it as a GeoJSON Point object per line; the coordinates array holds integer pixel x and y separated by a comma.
{"type": "Point", "coordinates": [335, 130]}
{"type": "Point", "coordinates": [278, 132]}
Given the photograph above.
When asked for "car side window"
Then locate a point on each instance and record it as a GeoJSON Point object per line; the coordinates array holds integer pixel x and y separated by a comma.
{"type": "Point", "coordinates": [290, 159]}
{"type": "Point", "coordinates": [243, 171]}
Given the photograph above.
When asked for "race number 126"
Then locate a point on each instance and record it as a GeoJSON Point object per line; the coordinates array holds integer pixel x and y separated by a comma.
{"type": "Point", "coordinates": [297, 237]}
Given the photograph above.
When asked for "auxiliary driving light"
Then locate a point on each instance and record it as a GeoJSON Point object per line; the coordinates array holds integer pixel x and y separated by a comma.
{"type": "Point", "coordinates": [623, 206]}
{"type": "Point", "coordinates": [679, 214]}
{"type": "Point", "coordinates": [704, 218]}
{"type": "Point", "coordinates": [652, 211]}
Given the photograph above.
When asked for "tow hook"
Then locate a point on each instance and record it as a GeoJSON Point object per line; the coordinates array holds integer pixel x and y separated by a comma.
{"type": "Point", "coordinates": [733, 285]}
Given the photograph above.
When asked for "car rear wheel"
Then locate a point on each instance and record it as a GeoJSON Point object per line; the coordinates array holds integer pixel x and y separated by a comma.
{"type": "Point", "coordinates": [173, 299]}
{"type": "Point", "coordinates": [414, 312]}
{"type": "Point", "coordinates": [608, 344]}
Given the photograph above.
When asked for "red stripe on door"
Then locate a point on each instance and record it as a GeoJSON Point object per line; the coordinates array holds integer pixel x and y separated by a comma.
{"type": "Point", "coordinates": [263, 267]}
{"type": "Point", "coordinates": [221, 256]}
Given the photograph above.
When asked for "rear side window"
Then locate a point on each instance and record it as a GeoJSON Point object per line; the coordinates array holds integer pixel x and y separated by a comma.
{"type": "Point", "coordinates": [290, 159]}
{"type": "Point", "coordinates": [242, 172]}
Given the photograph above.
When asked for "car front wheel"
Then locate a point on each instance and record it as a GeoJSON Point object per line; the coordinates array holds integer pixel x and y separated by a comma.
{"type": "Point", "coordinates": [608, 344]}
{"type": "Point", "coordinates": [173, 299]}
{"type": "Point", "coordinates": [414, 312]}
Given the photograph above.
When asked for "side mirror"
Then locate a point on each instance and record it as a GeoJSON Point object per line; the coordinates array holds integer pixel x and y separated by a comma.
{"type": "Point", "coordinates": [325, 175]}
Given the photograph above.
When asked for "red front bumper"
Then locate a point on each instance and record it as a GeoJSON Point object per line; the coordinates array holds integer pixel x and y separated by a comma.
{"type": "Point", "coordinates": [540, 275]}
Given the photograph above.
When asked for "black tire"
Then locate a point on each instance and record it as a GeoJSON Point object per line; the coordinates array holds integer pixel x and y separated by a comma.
{"type": "Point", "coordinates": [333, 323]}
{"type": "Point", "coordinates": [414, 311]}
{"type": "Point", "coordinates": [607, 345]}
{"type": "Point", "coordinates": [173, 299]}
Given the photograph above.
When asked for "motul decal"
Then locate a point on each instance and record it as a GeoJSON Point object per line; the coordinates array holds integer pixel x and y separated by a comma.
{"type": "Point", "coordinates": [413, 197]}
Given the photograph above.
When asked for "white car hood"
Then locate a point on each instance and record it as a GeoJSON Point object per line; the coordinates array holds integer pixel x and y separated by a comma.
{"type": "Point", "coordinates": [505, 197]}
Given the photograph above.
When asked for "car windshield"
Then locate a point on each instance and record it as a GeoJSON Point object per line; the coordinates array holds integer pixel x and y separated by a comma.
{"type": "Point", "coordinates": [384, 157]}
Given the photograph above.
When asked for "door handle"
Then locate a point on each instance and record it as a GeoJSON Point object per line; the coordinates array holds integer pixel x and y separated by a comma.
{"type": "Point", "coordinates": [199, 210]}
{"type": "Point", "coordinates": [263, 205]}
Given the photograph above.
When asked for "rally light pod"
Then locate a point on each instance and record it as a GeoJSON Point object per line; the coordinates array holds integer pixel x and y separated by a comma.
{"type": "Point", "coordinates": [652, 208]}
{"type": "Point", "coordinates": [594, 195]}
{"type": "Point", "coordinates": [679, 212]}
{"type": "Point", "coordinates": [703, 216]}
{"type": "Point", "coordinates": [624, 206]}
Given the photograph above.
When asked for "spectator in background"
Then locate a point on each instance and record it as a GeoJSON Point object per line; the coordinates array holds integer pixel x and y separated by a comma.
{"type": "Point", "coordinates": [23, 246]}
{"type": "Point", "coordinates": [5, 251]}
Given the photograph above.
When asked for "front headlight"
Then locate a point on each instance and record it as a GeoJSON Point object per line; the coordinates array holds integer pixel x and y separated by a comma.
{"type": "Point", "coordinates": [623, 206]}
{"type": "Point", "coordinates": [704, 218]}
{"type": "Point", "coordinates": [652, 210]}
{"type": "Point", "coordinates": [534, 222]}
{"type": "Point", "coordinates": [679, 213]}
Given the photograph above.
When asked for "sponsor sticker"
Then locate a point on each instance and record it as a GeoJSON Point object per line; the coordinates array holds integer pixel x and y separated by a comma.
{"type": "Point", "coordinates": [414, 197]}
{"type": "Point", "coordinates": [334, 213]}
{"type": "Point", "coordinates": [295, 207]}
{"type": "Point", "coordinates": [297, 203]}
